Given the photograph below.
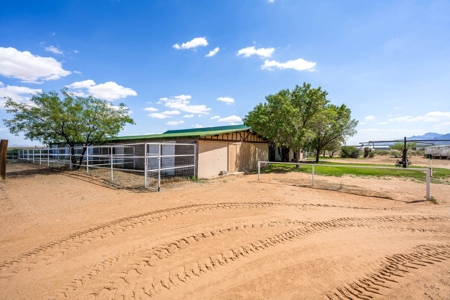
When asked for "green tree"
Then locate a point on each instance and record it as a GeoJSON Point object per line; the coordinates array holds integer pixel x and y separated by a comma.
{"type": "Point", "coordinates": [400, 146]}
{"type": "Point", "coordinates": [331, 127]}
{"type": "Point", "coordinates": [285, 117]}
{"type": "Point", "coordinates": [72, 120]}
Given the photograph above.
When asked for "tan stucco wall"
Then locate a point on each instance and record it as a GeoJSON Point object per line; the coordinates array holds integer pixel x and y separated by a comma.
{"type": "Point", "coordinates": [212, 158]}
{"type": "Point", "coordinates": [248, 155]}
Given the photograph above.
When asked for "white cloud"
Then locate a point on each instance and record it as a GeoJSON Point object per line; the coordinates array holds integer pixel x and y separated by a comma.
{"type": "Point", "coordinates": [28, 67]}
{"type": "Point", "coordinates": [77, 72]}
{"type": "Point", "coordinates": [227, 100]}
{"type": "Point", "coordinates": [271, 1]}
{"type": "Point", "coordinates": [212, 52]}
{"type": "Point", "coordinates": [76, 51]}
{"type": "Point", "coordinates": [215, 117]}
{"type": "Point", "coordinates": [17, 93]}
{"type": "Point", "coordinates": [182, 102]}
{"type": "Point", "coordinates": [150, 109]}
{"type": "Point", "coordinates": [159, 115]}
{"type": "Point", "coordinates": [382, 123]}
{"type": "Point", "coordinates": [117, 107]}
{"type": "Point", "coordinates": [108, 90]}
{"type": "Point", "coordinates": [173, 123]}
{"type": "Point", "coordinates": [197, 126]}
{"type": "Point", "coordinates": [369, 118]}
{"type": "Point", "coordinates": [434, 116]}
{"type": "Point", "coordinates": [261, 52]}
{"type": "Point", "coordinates": [194, 43]}
{"type": "Point", "coordinates": [53, 49]}
{"type": "Point", "coordinates": [82, 84]}
{"type": "Point", "coordinates": [298, 64]}
{"type": "Point", "coordinates": [164, 114]}
{"type": "Point", "coordinates": [398, 107]}
{"type": "Point", "coordinates": [171, 112]}
{"type": "Point", "coordinates": [188, 116]}
{"type": "Point", "coordinates": [231, 119]}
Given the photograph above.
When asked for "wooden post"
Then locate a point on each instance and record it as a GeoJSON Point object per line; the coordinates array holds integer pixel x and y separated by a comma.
{"type": "Point", "coordinates": [3, 151]}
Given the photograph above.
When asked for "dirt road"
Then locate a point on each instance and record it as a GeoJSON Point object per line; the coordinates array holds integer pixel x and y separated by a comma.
{"type": "Point", "coordinates": [228, 238]}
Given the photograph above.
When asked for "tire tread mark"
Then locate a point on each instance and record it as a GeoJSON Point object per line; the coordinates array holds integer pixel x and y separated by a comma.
{"type": "Point", "coordinates": [390, 267]}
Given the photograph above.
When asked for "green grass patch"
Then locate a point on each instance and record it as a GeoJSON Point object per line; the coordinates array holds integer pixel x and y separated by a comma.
{"type": "Point", "coordinates": [440, 175]}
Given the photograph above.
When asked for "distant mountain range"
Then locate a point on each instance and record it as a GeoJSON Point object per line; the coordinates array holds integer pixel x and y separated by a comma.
{"type": "Point", "coordinates": [432, 136]}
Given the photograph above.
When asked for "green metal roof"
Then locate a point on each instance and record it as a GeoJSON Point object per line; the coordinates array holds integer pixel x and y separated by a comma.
{"type": "Point", "coordinates": [195, 132]}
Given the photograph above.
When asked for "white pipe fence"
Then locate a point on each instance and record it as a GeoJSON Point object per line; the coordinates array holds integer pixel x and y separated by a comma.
{"type": "Point", "coordinates": [171, 159]}
{"type": "Point", "coordinates": [426, 170]}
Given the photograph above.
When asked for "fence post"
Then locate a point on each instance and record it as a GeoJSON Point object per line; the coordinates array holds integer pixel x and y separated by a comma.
{"type": "Point", "coordinates": [48, 157]}
{"type": "Point", "coordinates": [428, 184]}
{"type": "Point", "coordinates": [70, 156]}
{"type": "Point", "coordinates": [259, 169]}
{"type": "Point", "coordinates": [159, 166]}
{"type": "Point", "coordinates": [195, 160]}
{"type": "Point", "coordinates": [57, 156]}
{"type": "Point", "coordinates": [312, 173]}
{"type": "Point", "coordinates": [145, 166]}
{"type": "Point", "coordinates": [33, 156]}
{"type": "Point", "coordinates": [111, 162]}
{"type": "Point", "coordinates": [87, 159]}
{"type": "Point", "coordinates": [40, 156]}
{"type": "Point", "coordinates": [3, 154]}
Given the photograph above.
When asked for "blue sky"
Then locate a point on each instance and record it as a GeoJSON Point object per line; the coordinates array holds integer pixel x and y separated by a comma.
{"type": "Point", "coordinates": [184, 64]}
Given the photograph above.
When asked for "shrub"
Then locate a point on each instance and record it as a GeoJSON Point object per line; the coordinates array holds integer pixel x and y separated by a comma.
{"type": "Point", "coordinates": [395, 153]}
{"type": "Point", "coordinates": [371, 153]}
{"type": "Point", "coordinates": [381, 152]}
{"type": "Point", "coordinates": [349, 152]}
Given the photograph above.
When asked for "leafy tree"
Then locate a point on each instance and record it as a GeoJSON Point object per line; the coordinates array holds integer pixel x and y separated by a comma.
{"type": "Point", "coordinates": [331, 127]}
{"type": "Point", "coordinates": [332, 147]}
{"type": "Point", "coordinates": [400, 145]}
{"type": "Point", "coordinates": [285, 117]}
{"type": "Point", "coordinates": [72, 120]}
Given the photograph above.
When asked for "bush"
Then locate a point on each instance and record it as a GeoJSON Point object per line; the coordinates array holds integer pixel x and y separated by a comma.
{"type": "Point", "coordinates": [349, 152]}
{"type": "Point", "coordinates": [367, 151]}
{"type": "Point", "coordinates": [381, 152]}
{"type": "Point", "coordinates": [371, 153]}
{"type": "Point", "coordinates": [395, 153]}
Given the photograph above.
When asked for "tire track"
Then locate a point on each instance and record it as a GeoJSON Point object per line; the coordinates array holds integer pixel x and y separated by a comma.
{"type": "Point", "coordinates": [75, 240]}
{"type": "Point", "coordinates": [393, 267]}
{"type": "Point", "coordinates": [141, 268]}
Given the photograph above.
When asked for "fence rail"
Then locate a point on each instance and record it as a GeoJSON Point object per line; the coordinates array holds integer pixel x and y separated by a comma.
{"type": "Point", "coordinates": [426, 170]}
{"type": "Point", "coordinates": [155, 160]}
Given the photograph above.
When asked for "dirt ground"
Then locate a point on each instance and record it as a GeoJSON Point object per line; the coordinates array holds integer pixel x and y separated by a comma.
{"type": "Point", "coordinates": [68, 236]}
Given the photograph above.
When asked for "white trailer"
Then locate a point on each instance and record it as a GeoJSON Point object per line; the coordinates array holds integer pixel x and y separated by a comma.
{"type": "Point", "coordinates": [438, 151]}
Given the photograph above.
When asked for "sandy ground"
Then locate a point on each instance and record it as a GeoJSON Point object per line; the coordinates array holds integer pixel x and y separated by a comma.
{"type": "Point", "coordinates": [72, 237]}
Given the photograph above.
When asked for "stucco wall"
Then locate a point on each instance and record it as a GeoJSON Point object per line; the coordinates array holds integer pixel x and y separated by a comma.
{"type": "Point", "coordinates": [248, 155]}
{"type": "Point", "coordinates": [212, 158]}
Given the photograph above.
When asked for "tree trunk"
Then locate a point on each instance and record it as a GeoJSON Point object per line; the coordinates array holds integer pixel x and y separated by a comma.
{"type": "Point", "coordinates": [73, 158]}
{"type": "Point", "coordinates": [82, 157]}
{"type": "Point", "coordinates": [317, 155]}
{"type": "Point", "coordinates": [297, 158]}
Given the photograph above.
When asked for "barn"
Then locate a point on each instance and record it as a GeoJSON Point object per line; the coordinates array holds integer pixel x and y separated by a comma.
{"type": "Point", "coordinates": [220, 150]}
